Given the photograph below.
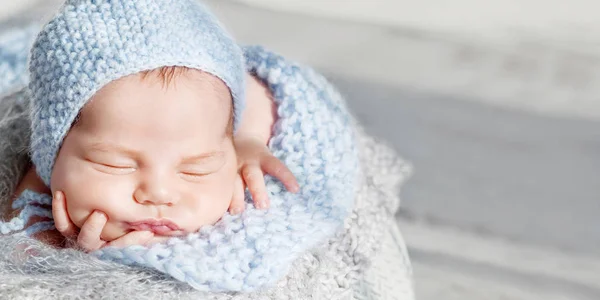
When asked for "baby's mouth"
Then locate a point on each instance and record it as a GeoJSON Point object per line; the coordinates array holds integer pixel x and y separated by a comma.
{"type": "Point", "coordinates": [158, 227]}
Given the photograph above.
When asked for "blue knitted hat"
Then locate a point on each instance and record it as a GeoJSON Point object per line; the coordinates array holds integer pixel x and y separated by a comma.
{"type": "Point", "coordinates": [90, 43]}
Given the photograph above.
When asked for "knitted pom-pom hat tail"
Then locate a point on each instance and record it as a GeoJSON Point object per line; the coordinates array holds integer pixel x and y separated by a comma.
{"type": "Point", "coordinates": [90, 43]}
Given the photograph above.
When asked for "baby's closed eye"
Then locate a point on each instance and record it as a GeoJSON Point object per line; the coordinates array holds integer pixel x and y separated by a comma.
{"type": "Point", "coordinates": [202, 165]}
{"type": "Point", "coordinates": [112, 166]}
{"type": "Point", "coordinates": [202, 168]}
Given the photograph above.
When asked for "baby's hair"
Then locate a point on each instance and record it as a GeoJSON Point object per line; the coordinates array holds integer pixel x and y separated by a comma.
{"type": "Point", "coordinates": [167, 74]}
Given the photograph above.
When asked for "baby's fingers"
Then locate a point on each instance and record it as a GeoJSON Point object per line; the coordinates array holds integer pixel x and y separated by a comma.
{"type": "Point", "coordinates": [276, 168]}
{"type": "Point", "coordinates": [237, 201]}
{"type": "Point", "coordinates": [132, 238]}
{"type": "Point", "coordinates": [62, 222]}
{"type": "Point", "coordinates": [255, 181]}
{"type": "Point", "coordinates": [89, 236]}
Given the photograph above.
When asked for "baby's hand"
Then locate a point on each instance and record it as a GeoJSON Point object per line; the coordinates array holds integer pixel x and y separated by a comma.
{"type": "Point", "coordinates": [254, 160]}
{"type": "Point", "coordinates": [88, 237]}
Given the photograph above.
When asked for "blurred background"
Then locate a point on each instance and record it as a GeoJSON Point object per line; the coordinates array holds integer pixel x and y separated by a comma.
{"type": "Point", "coordinates": [495, 103]}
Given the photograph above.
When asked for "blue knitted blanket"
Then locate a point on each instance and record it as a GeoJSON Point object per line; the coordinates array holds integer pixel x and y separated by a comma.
{"type": "Point", "coordinates": [313, 136]}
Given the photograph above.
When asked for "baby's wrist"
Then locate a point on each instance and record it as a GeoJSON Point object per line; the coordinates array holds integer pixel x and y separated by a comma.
{"type": "Point", "coordinates": [260, 113]}
{"type": "Point", "coordinates": [257, 137]}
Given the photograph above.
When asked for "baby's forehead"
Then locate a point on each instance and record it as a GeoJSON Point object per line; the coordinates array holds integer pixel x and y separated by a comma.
{"type": "Point", "coordinates": [167, 87]}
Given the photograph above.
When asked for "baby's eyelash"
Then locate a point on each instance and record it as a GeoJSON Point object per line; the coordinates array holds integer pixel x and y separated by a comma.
{"type": "Point", "coordinates": [194, 174]}
{"type": "Point", "coordinates": [112, 169]}
{"type": "Point", "coordinates": [121, 168]}
{"type": "Point", "coordinates": [116, 169]}
{"type": "Point", "coordinates": [113, 166]}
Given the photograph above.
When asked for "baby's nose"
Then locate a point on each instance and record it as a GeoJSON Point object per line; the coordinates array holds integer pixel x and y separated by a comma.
{"type": "Point", "coordinates": [158, 192]}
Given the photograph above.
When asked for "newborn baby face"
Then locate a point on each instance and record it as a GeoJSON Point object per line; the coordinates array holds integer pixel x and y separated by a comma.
{"type": "Point", "coordinates": [151, 154]}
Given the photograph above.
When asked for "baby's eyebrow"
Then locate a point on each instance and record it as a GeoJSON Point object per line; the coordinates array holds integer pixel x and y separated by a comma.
{"type": "Point", "coordinates": [202, 157]}
{"type": "Point", "coordinates": [104, 147]}
{"type": "Point", "coordinates": [194, 159]}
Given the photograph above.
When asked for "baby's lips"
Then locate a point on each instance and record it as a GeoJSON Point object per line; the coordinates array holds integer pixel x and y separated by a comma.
{"type": "Point", "coordinates": [159, 227]}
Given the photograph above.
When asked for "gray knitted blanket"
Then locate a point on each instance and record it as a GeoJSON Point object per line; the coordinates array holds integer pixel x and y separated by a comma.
{"type": "Point", "coordinates": [339, 269]}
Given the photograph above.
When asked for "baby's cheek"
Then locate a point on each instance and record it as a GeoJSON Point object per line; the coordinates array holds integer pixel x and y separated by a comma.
{"type": "Point", "coordinates": [86, 191]}
{"type": "Point", "coordinates": [81, 202]}
{"type": "Point", "coordinates": [206, 204]}
{"type": "Point", "coordinates": [222, 192]}
{"type": "Point", "coordinates": [65, 179]}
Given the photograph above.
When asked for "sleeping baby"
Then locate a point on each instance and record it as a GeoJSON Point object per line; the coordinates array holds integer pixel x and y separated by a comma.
{"type": "Point", "coordinates": [151, 153]}
{"type": "Point", "coordinates": [148, 123]}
